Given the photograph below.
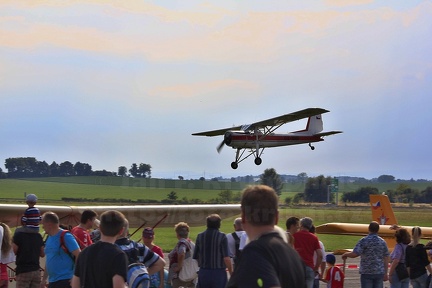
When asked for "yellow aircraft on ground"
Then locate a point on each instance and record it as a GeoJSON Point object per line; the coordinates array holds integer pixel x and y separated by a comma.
{"type": "Point", "coordinates": [382, 212]}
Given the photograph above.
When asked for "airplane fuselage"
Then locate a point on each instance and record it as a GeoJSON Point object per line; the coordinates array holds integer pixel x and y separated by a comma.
{"type": "Point", "coordinates": [249, 140]}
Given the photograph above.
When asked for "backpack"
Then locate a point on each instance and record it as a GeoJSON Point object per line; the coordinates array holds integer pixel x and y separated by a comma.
{"type": "Point", "coordinates": [190, 265]}
{"type": "Point", "coordinates": [137, 275]}
{"type": "Point", "coordinates": [63, 244]}
{"type": "Point", "coordinates": [237, 246]}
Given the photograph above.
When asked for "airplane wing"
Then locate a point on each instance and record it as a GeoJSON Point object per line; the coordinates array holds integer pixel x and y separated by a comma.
{"type": "Point", "coordinates": [194, 215]}
{"type": "Point", "coordinates": [327, 133]}
{"type": "Point", "coordinates": [305, 113]}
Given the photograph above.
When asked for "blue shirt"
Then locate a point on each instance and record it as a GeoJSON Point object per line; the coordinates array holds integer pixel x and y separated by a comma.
{"type": "Point", "coordinates": [59, 264]}
{"type": "Point", "coordinates": [372, 250]}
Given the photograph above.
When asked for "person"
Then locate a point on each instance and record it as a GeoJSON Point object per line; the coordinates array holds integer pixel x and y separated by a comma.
{"type": "Point", "coordinates": [267, 260]}
{"type": "Point", "coordinates": [139, 253]}
{"type": "Point", "coordinates": [177, 256]}
{"type": "Point", "coordinates": [157, 279]}
{"type": "Point", "coordinates": [32, 215]}
{"type": "Point", "coordinates": [28, 247]}
{"type": "Point", "coordinates": [103, 264]}
{"type": "Point", "coordinates": [234, 240]}
{"type": "Point", "coordinates": [211, 252]}
{"type": "Point", "coordinates": [374, 258]}
{"type": "Point", "coordinates": [307, 245]}
{"type": "Point", "coordinates": [95, 234]}
{"type": "Point", "coordinates": [6, 253]}
{"type": "Point", "coordinates": [80, 231]}
{"type": "Point", "coordinates": [323, 262]}
{"type": "Point", "coordinates": [398, 255]}
{"type": "Point", "coordinates": [417, 260]}
{"type": "Point", "coordinates": [334, 277]}
{"type": "Point", "coordinates": [292, 226]}
{"type": "Point", "coordinates": [61, 251]}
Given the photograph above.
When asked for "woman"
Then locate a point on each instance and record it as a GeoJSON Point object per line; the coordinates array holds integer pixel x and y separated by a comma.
{"type": "Point", "coordinates": [417, 261]}
{"type": "Point", "coordinates": [6, 254]}
{"type": "Point", "coordinates": [398, 256]}
{"type": "Point", "coordinates": [180, 252]}
{"type": "Point", "coordinates": [157, 279]}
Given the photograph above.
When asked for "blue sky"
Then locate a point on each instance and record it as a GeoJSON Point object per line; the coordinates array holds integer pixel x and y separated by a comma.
{"type": "Point", "coordinates": [113, 83]}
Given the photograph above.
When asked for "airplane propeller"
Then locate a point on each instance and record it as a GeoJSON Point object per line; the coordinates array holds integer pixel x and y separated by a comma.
{"type": "Point", "coordinates": [220, 146]}
{"type": "Point", "coordinates": [226, 140]}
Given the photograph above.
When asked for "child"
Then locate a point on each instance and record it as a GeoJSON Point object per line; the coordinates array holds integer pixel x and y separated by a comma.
{"type": "Point", "coordinates": [32, 217]}
{"type": "Point", "coordinates": [334, 277]}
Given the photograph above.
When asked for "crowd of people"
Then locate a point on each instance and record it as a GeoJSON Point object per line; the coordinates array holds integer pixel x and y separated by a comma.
{"type": "Point", "coordinates": [99, 253]}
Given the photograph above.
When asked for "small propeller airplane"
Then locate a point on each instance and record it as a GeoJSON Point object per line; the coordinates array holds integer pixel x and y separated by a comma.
{"type": "Point", "coordinates": [255, 137]}
{"type": "Point", "coordinates": [382, 212]}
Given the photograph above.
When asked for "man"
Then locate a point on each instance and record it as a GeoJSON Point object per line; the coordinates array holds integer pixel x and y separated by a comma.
{"type": "Point", "coordinates": [61, 250]}
{"type": "Point", "coordinates": [374, 258]}
{"type": "Point", "coordinates": [28, 248]}
{"type": "Point", "coordinates": [81, 233]}
{"type": "Point", "coordinates": [307, 245]}
{"type": "Point", "coordinates": [139, 253]}
{"type": "Point", "coordinates": [267, 261]}
{"type": "Point", "coordinates": [234, 240]}
{"type": "Point", "coordinates": [211, 252]}
{"type": "Point", "coordinates": [103, 264]}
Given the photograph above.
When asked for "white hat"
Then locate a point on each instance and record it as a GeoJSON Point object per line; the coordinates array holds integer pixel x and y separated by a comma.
{"type": "Point", "coordinates": [31, 198]}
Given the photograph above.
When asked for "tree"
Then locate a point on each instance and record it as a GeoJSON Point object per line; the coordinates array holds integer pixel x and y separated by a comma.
{"type": "Point", "coordinates": [172, 196]}
{"type": "Point", "coordinates": [386, 179]}
{"type": "Point", "coordinates": [122, 170]}
{"type": "Point", "coordinates": [316, 189]}
{"type": "Point", "coordinates": [82, 169]}
{"type": "Point", "coordinates": [2, 174]}
{"type": "Point", "coordinates": [272, 179]}
{"type": "Point", "coordinates": [66, 169]}
{"type": "Point", "coordinates": [21, 167]}
{"type": "Point", "coordinates": [134, 170]}
{"type": "Point", "coordinates": [144, 170]}
{"type": "Point", "coordinates": [360, 195]}
{"type": "Point", "coordinates": [302, 177]}
{"type": "Point", "coordinates": [180, 178]}
{"type": "Point", "coordinates": [54, 169]}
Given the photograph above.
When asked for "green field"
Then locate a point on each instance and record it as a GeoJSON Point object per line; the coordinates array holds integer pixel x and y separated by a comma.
{"type": "Point", "coordinates": [52, 190]}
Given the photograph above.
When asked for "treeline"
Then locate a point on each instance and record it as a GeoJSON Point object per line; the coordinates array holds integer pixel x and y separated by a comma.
{"type": "Point", "coordinates": [317, 190]}
{"type": "Point", "coordinates": [402, 194]}
{"type": "Point", "coordinates": [29, 167]}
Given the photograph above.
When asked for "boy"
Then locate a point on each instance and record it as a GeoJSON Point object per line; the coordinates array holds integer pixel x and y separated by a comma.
{"type": "Point", "coordinates": [103, 264]}
{"type": "Point", "coordinates": [334, 277]}
{"type": "Point", "coordinates": [32, 217]}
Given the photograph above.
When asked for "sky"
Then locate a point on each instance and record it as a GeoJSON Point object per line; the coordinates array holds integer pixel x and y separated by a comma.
{"type": "Point", "coordinates": [111, 83]}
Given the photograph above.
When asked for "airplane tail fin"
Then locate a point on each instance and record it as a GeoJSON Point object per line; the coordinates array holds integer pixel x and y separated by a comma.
{"type": "Point", "coordinates": [382, 212]}
{"type": "Point", "coordinates": [313, 126]}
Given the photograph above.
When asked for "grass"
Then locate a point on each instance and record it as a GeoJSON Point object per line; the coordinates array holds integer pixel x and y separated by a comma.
{"type": "Point", "coordinates": [51, 191]}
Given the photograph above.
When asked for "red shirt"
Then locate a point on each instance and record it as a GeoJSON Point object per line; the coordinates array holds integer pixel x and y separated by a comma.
{"type": "Point", "coordinates": [335, 277]}
{"type": "Point", "coordinates": [306, 243]}
{"type": "Point", "coordinates": [82, 236]}
{"type": "Point", "coordinates": [158, 250]}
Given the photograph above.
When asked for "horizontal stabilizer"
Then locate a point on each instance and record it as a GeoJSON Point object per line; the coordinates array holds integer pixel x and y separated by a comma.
{"type": "Point", "coordinates": [327, 133]}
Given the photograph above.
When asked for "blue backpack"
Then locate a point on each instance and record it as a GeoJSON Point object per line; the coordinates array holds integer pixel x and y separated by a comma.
{"type": "Point", "coordinates": [138, 276]}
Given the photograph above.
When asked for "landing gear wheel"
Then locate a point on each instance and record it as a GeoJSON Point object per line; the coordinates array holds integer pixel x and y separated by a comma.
{"type": "Point", "coordinates": [312, 147]}
{"type": "Point", "coordinates": [234, 165]}
{"type": "Point", "coordinates": [258, 161]}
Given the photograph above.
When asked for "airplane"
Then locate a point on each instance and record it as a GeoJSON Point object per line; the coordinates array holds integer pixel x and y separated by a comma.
{"type": "Point", "coordinates": [382, 212]}
{"type": "Point", "coordinates": [194, 215]}
{"type": "Point", "coordinates": [255, 137]}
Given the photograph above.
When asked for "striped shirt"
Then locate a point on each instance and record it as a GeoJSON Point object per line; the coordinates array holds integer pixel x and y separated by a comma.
{"type": "Point", "coordinates": [211, 248]}
{"type": "Point", "coordinates": [32, 217]}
